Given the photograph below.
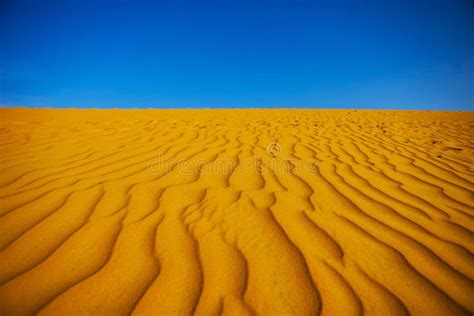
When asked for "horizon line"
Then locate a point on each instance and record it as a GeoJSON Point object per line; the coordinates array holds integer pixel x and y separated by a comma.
{"type": "Point", "coordinates": [230, 108]}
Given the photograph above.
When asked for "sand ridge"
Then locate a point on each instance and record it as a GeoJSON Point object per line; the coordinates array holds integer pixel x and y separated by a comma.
{"type": "Point", "coordinates": [236, 212]}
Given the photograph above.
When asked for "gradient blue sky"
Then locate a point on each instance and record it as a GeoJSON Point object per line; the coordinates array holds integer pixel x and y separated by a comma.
{"type": "Point", "coordinates": [409, 54]}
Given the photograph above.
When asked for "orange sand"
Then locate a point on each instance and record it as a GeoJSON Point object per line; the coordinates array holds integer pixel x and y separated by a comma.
{"type": "Point", "coordinates": [236, 212]}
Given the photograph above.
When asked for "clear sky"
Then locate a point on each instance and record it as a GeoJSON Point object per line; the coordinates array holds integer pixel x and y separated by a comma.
{"type": "Point", "coordinates": [405, 54]}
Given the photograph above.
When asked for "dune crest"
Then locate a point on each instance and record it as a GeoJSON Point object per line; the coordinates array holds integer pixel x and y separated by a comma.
{"type": "Point", "coordinates": [236, 212]}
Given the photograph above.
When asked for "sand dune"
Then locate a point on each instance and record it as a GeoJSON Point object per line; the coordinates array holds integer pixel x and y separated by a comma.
{"type": "Point", "coordinates": [236, 212]}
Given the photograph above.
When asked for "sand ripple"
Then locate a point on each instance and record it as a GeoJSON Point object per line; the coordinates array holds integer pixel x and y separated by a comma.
{"type": "Point", "coordinates": [236, 212]}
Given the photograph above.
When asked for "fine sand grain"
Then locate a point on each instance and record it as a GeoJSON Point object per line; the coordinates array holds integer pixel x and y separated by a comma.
{"type": "Point", "coordinates": [236, 212]}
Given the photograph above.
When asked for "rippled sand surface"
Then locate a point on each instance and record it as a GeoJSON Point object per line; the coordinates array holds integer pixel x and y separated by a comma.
{"type": "Point", "coordinates": [236, 212]}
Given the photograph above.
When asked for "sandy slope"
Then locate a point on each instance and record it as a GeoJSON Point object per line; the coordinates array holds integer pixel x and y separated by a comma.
{"type": "Point", "coordinates": [238, 212]}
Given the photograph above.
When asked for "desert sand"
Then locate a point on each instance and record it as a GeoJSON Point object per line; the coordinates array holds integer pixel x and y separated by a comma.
{"type": "Point", "coordinates": [236, 212]}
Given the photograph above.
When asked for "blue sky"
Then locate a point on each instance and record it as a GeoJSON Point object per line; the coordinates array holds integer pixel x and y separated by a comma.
{"type": "Point", "coordinates": [400, 54]}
